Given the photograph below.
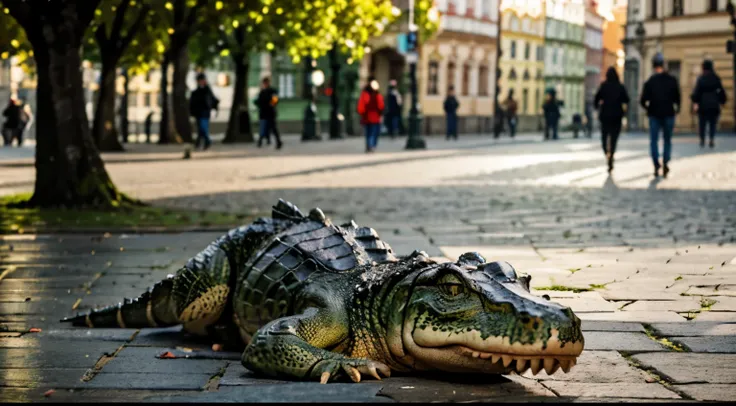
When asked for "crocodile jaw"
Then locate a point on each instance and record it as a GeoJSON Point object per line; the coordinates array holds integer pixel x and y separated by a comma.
{"type": "Point", "coordinates": [468, 352]}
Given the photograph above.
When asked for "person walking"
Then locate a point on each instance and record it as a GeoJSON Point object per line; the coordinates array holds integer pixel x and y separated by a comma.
{"type": "Point", "coordinates": [26, 120]}
{"type": "Point", "coordinates": [451, 105]}
{"type": "Point", "coordinates": [551, 108]}
{"type": "Point", "coordinates": [511, 107]}
{"type": "Point", "coordinates": [661, 99]}
{"type": "Point", "coordinates": [370, 108]}
{"type": "Point", "coordinates": [393, 110]}
{"type": "Point", "coordinates": [201, 104]}
{"type": "Point", "coordinates": [707, 98]}
{"type": "Point", "coordinates": [589, 118]}
{"type": "Point", "coordinates": [266, 102]}
{"type": "Point", "coordinates": [11, 126]}
{"type": "Point", "coordinates": [611, 100]}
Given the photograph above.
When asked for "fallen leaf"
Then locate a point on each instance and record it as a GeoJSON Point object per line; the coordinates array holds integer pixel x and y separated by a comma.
{"type": "Point", "coordinates": [650, 380]}
{"type": "Point", "coordinates": [167, 355]}
{"type": "Point", "coordinates": [34, 330]}
{"type": "Point", "coordinates": [76, 304]}
{"type": "Point", "coordinates": [184, 349]}
{"type": "Point", "coordinates": [49, 392]}
{"type": "Point", "coordinates": [216, 347]}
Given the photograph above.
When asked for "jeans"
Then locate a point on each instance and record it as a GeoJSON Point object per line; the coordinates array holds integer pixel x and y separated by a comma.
{"type": "Point", "coordinates": [451, 126]}
{"type": "Point", "coordinates": [203, 132]}
{"type": "Point", "coordinates": [609, 136]}
{"type": "Point", "coordinates": [711, 120]}
{"type": "Point", "coordinates": [392, 124]}
{"type": "Point", "coordinates": [512, 126]}
{"type": "Point", "coordinates": [655, 126]}
{"type": "Point", "coordinates": [551, 126]}
{"type": "Point", "coordinates": [371, 135]}
{"type": "Point", "coordinates": [266, 127]}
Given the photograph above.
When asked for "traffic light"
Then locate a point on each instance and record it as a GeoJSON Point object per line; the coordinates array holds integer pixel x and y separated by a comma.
{"type": "Point", "coordinates": [411, 41]}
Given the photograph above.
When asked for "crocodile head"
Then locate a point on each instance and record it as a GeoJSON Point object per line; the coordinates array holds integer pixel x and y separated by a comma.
{"type": "Point", "coordinates": [473, 316]}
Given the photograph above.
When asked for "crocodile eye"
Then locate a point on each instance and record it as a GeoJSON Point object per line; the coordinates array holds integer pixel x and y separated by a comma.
{"type": "Point", "coordinates": [452, 289]}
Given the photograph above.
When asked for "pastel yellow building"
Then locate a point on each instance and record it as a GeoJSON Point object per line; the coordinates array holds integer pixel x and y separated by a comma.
{"type": "Point", "coordinates": [522, 58]}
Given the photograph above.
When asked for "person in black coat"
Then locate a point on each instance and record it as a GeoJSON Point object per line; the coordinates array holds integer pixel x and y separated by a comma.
{"type": "Point", "coordinates": [201, 104]}
{"type": "Point", "coordinates": [393, 109]}
{"type": "Point", "coordinates": [267, 100]}
{"type": "Point", "coordinates": [551, 108]}
{"type": "Point", "coordinates": [611, 99]}
{"type": "Point", "coordinates": [12, 124]}
{"type": "Point", "coordinates": [708, 97]}
{"type": "Point", "coordinates": [450, 106]}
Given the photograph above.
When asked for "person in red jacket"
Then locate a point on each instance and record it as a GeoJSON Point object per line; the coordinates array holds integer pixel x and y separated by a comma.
{"type": "Point", "coordinates": [370, 108]}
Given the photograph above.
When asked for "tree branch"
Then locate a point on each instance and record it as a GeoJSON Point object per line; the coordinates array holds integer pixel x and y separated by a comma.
{"type": "Point", "coordinates": [117, 23]}
{"type": "Point", "coordinates": [20, 10]}
{"type": "Point", "coordinates": [193, 12]}
{"type": "Point", "coordinates": [85, 13]}
{"type": "Point", "coordinates": [133, 30]}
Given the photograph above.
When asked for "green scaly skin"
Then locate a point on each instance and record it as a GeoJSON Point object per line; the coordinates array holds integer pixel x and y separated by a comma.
{"type": "Point", "coordinates": [324, 322]}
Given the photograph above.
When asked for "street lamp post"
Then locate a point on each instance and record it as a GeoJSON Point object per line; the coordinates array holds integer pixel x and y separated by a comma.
{"type": "Point", "coordinates": [311, 132]}
{"type": "Point", "coordinates": [335, 117]}
{"type": "Point", "coordinates": [415, 140]}
{"type": "Point", "coordinates": [732, 49]}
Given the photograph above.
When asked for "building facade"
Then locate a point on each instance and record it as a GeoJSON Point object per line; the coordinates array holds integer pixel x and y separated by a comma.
{"type": "Point", "coordinates": [462, 54]}
{"type": "Point", "coordinates": [522, 59]}
{"type": "Point", "coordinates": [686, 33]}
{"type": "Point", "coordinates": [564, 62]}
{"type": "Point", "coordinates": [614, 26]}
{"type": "Point", "coordinates": [594, 72]}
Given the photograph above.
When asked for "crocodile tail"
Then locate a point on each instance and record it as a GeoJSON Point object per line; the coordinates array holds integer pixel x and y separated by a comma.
{"type": "Point", "coordinates": [154, 308]}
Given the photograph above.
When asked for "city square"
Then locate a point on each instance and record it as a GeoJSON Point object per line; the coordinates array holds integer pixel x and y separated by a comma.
{"type": "Point", "coordinates": [646, 261]}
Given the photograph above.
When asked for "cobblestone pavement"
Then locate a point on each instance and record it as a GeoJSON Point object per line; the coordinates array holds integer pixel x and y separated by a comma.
{"type": "Point", "coordinates": [648, 265]}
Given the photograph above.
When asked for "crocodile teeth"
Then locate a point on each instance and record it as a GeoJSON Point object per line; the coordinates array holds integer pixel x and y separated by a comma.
{"type": "Point", "coordinates": [485, 355]}
{"type": "Point", "coordinates": [476, 354]}
{"type": "Point", "coordinates": [520, 365]}
{"type": "Point", "coordinates": [495, 358]}
{"type": "Point", "coordinates": [536, 365]}
{"type": "Point", "coordinates": [550, 365]}
{"type": "Point", "coordinates": [507, 360]}
{"type": "Point", "coordinates": [565, 365]}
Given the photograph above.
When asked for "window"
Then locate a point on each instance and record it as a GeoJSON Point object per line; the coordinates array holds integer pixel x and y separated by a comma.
{"type": "Point", "coordinates": [537, 100]}
{"type": "Point", "coordinates": [486, 8]}
{"type": "Point", "coordinates": [540, 53]}
{"type": "Point", "coordinates": [433, 83]}
{"type": "Point", "coordinates": [524, 100]}
{"type": "Point", "coordinates": [513, 50]}
{"type": "Point", "coordinates": [512, 74]}
{"type": "Point", "coordinates": [713, 5]}
{"type": "Point", "coordinates": [466, 80]}
{"type": "Point", "coordinates": [554, 56]}
{"type": "Point", "coordinates": [286, 85]}
{"type": "Point", "coordinates": [527, 51]}
{"type": "Point", "coordinates": [450, 74]}
{"type": "Point", "coordinates": [676, 7]}
{"type": "Point", "coordinates": [673, 68]}
{"type": "Point", "coordinates": [653, 9]}
{"type": "Point", "coordinates": [526, 76]}
{"type": "Point", "coordinates": [483, 80]}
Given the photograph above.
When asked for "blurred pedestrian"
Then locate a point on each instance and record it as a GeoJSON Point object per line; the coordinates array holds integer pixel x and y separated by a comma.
{"type": "Point", "coordinates": [451, 105]}
{"type": "Point", "coordinates": [267, 100]}
{"type": "Point", "coordinates": [393, 109]}
{"type": "Point", "coordinates": [511, 107]}
{"type": "Point", "coordinates": [551, 108]}
{"type": "Point", "coordinates": [26, 120]}
{"type": "Point", "coordinates": [11, 126]}
{"type": "Point", "coordinates": [370, 108]}
{"type": "Point", "coordinates": [589, 118]}
{"type": "Point", "coordinates": [201, 104]}
{"type": "Point", "coordinates": [708, 97]}
{"type": "Point", "coordinates": [147, 124]}
{"type": "Point", "coordinates": [612, 100]}
{"type": "Point", "coordinates": [661, 98]}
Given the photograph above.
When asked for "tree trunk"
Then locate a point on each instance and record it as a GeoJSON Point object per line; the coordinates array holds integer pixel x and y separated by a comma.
{"type": "Point", "coordinates": [69, 170]}
{"type": "Point", "coordinates": [165, 135]}
{"type": "Point", "coordinates": [103, 126]}
{"type": "Point", "coordinates": [180, 58]}
{"type": "Point", "coordinates": [235, 133]}
{"type": "Point", "coordinates": [124, 131]}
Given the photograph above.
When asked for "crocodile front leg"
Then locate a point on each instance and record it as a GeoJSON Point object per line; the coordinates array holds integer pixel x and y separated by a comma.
{"type": "Point", "coordinates": [294, 347]}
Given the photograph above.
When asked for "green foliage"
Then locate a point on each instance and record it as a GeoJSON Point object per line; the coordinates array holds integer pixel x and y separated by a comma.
{"type": "Point", "coordinates": [13, 40]}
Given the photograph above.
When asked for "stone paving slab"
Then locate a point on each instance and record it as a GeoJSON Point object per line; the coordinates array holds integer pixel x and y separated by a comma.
{"type": "Point", "coordinates": [695, 328]}
{"type": "Point", "coordinates": [152, 381]}
{"type": "Point", "coordinates": [630, 342]}
{"type": "Point", "coordinates": [709, 391]}
{"type": "Point", "coordinates": [686, 368]}
{"type": "Point", "coordinates": [596, 367]}
{"type": "Point", "coordinates": [719, 344]}
{"type": "Point", "coordinates": [62, 378]}
{"type": "Point", "coordinates": [611, 390]}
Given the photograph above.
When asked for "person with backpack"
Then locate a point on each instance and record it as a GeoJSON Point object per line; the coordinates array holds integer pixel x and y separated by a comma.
{"type": "Point", "coordinates": [201, 104]}
{"type": "Point", "coordinates": [450, 106]}
{"type": "Point", "coordinates": [611, 99]}
{"type": "Point", "coordinates": [12, 124]}
{"type": "Point", "coordinates": [266, 102]}
{"type": "Point", "coordinates": [370, 109]}
{"type": "Point", "coordinates": [707, 98]}
{"type": "Point", "coordinates": [661, 99]}
{"type": "Point", "coordinates": [511, 108]}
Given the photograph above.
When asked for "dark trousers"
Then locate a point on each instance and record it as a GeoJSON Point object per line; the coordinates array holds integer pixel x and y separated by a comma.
{"type": "Point", "coordinates": [268, 126]}
{"type": "Point", "coordinates": [711, 120]}
{"type": "Point", "coordinates": [665, 125]}
{"type": "Point", "coordinates": [392, 124]}
{"type": "Point", "coordinates": [372, 131]}
{"type": "Point", "coordinates": [550, 128]}
{"type": "Point", "coordinates": [203, 132]}
{"type": "Point", "coordinates": [452, 125]}
{"type": "Point", "coordinates": [609, 136]}
{"type": "Point", "coordinates": [512, 126]}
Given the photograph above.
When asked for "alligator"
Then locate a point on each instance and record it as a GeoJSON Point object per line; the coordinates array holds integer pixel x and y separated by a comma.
{"type": "Point", "coordinates": [310, 300]}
